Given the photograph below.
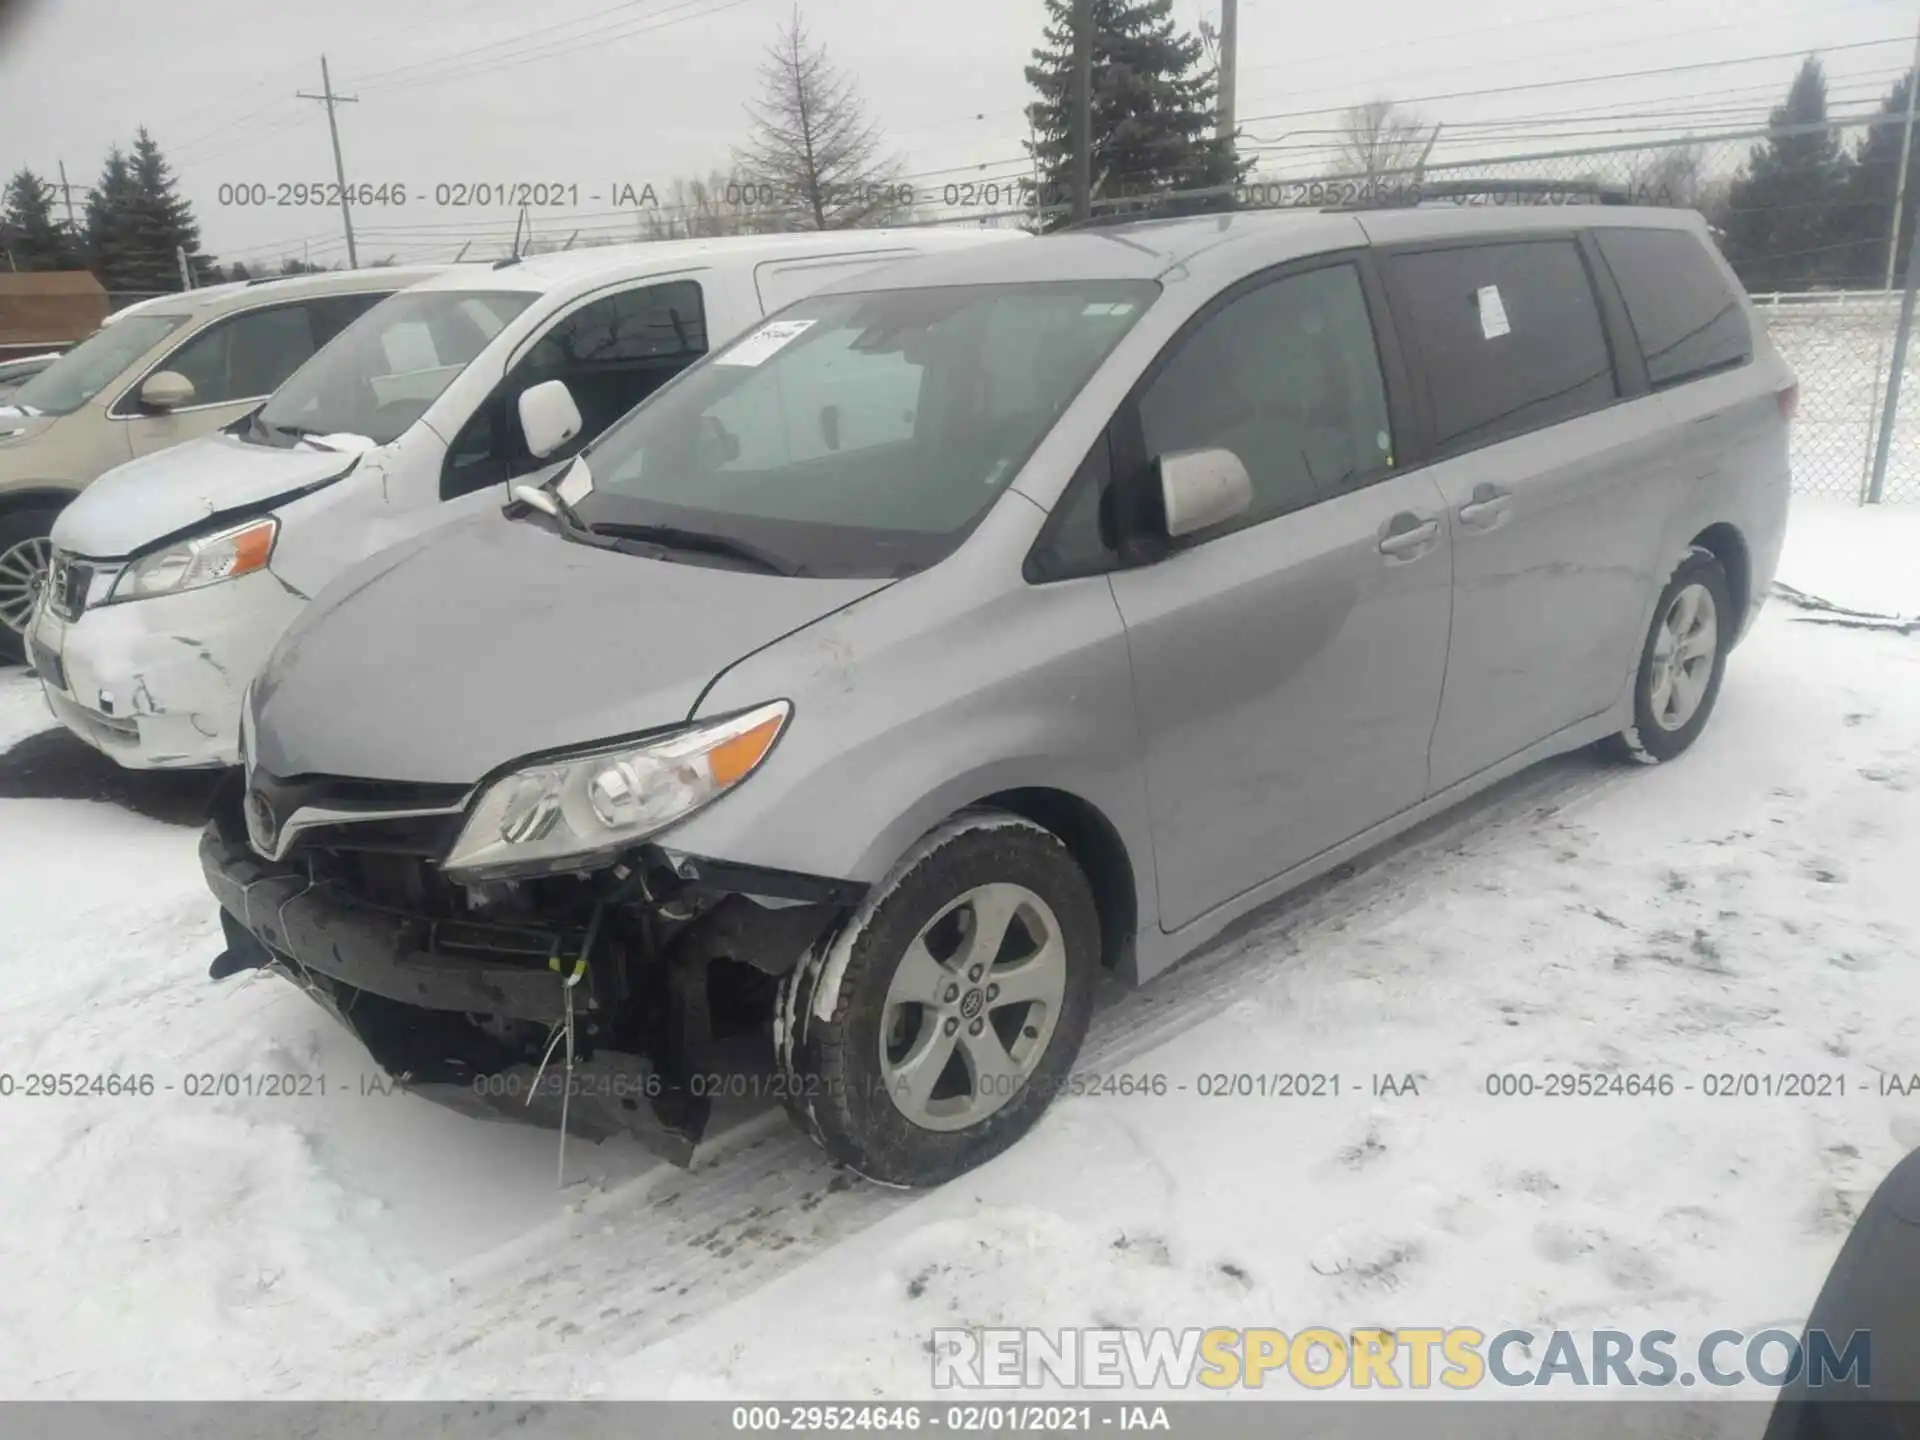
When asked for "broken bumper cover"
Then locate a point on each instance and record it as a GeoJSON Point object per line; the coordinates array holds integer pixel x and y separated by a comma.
{"type": "Point", "coordinates": [156, 683]}
{"type": "Point", "coordinates": [391, 979]}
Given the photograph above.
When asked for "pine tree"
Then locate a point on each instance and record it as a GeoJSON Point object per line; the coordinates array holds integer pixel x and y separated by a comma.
{"type": "Point", "coordinates": [160, 223]}
{"type": "Point", "coordinates": [1784, 230]}
{"type": "Point", "coordinates": [1153, 108]}
{"type": "Point", "coordinates": [107, 249]}
{"type": "Point", "coordinates": [1869, 205]}
{"type": "Point", "coordinates": [32, 238]}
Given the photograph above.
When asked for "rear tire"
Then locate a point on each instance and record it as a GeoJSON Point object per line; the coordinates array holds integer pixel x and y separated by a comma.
{"type": "Point", "coordinates": [1681, 663]}
{"type": "Point", "coordinates": [24, 553]}
{"type": "Point", "coordinates": [961, 991]}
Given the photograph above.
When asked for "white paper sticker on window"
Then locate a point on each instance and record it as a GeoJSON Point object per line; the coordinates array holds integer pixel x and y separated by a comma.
{"type": "Point", "coordinates": [768, 340]}
{"type": "Point", "coordinates": [1493, 313]}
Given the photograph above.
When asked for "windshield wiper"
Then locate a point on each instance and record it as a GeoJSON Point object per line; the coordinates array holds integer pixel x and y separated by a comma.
{"type": "Point", "coordinates": [671, 537]}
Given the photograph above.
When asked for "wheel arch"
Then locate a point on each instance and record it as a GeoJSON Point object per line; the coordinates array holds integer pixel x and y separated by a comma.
{"type": "Point", "coordinates": [1727, 545]}
{"type": "Point", "coordinates": [1098, 849]}
{"type": "Point", "coordinates": [36, 495]}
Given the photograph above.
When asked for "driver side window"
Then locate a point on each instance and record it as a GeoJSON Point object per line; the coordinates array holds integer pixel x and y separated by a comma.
{"type": "Point", "coordinates": [611, 353]}
{"type": "Point", "coordinates": [1288, 378]}
{"type": "Point", "coordinates": [245, 356]}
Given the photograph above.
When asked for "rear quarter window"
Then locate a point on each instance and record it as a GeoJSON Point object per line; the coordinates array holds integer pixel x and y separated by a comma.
{"type": "Point", "coordinates": [1685, 314]}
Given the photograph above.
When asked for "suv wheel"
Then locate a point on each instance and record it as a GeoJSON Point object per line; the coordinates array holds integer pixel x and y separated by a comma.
{"type": "Point", "coordinates": [1681, 664]}
{"type": "Point", "coordinates": [957, 996]}
{"type": "Point", "coordinates": [25, 552]}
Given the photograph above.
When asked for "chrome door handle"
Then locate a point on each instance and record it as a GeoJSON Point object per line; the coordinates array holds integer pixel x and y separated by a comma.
{"type": "Point", "coordinates": [1489, 506]}
{"type": "Point", "coordinates": [1402, 543]}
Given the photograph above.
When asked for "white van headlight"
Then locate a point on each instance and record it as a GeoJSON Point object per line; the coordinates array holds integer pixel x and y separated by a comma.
{"type": "Point", "coordinates": [199, 560]}
{"type": "Point", "coordinates": [553, 815]}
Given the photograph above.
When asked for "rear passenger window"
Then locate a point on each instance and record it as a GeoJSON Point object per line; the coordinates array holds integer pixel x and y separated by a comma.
{"type": "Point", "coordinates": [1685, 315]}
{"type": "Point", "coordinates": [1286, 377]}
{"type": "Point", "coordinates": [1509, 338]}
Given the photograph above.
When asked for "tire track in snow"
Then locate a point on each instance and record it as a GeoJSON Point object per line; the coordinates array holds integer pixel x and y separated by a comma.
{"type": "Point", "coordinates": [624, 1268]}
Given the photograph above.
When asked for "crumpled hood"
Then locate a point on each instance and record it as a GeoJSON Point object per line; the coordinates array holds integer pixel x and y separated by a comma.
{"type": "Point", "coordinates": [177, 489]}
{"type": "Point", "coordinates": [492, 639]}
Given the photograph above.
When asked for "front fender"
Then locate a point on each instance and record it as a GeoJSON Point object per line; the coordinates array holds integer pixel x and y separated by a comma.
{"type": "Point", "coordinates": [899, 722]}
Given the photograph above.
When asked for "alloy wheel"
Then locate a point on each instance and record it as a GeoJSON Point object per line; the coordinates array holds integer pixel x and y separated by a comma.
{"type": "Point", "coordinates": [23, 570]}
{"type": "Point", "coordinates": [972, 1005]}
{"type": "Point", "coordinates": [1683, 656]}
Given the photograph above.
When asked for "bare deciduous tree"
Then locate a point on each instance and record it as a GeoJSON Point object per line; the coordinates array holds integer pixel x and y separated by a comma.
{"type": "Point", "coordinates": [1669, 177]}
{"type": "Point", "coordinates": [717, 204]}
{"type": "Point", "coordinates": [813, 148]}
{"type": "Point", "coordinates": [1379, 138]}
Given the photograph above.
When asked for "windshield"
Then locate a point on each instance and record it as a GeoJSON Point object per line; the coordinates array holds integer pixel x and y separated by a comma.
{"type": "Point", "coordinates": [379, 375]}
{"type": "Point", "coordinates": [92, 365]}
{"type": "Point", "coordinates": [861, 434]}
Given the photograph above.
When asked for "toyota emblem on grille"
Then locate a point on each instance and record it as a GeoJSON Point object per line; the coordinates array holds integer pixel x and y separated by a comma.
{"type": "Point", "coordinates": [260, 822]}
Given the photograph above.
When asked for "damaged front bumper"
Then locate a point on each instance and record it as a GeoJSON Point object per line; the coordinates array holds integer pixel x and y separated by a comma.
{"type": "Point", "coordinates": [460, 1010]}
{"type": "Point", "coordinates": [156, 683]}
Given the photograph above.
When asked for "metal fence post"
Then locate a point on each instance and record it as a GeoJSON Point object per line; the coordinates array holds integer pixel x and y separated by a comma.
{"type": "Point", "coordinates": [1877, 486]}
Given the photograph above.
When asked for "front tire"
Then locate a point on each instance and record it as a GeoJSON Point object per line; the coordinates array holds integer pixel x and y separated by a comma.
{"type": "Point", "coordinates": [957, 997]}
{"type": "Point", "coordinates": [25, 552]}
{"type": "Point", "coordinates": [1681, 664]}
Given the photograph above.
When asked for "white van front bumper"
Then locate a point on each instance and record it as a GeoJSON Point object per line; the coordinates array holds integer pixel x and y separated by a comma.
{"type": "Point", "coordinates": [156, 683]}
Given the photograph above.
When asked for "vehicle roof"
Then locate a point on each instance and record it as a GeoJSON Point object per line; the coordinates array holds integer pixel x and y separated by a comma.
{"type": "Point", "coordinates": [1149, 249]}
{"type": "Point", "coordinates": [559, 269]}
{"type": "Point", "coordinates": [234, 294]}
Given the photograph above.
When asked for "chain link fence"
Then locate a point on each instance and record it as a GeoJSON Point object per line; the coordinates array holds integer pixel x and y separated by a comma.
{"type": "Point", "coordinates": [1840, 343]}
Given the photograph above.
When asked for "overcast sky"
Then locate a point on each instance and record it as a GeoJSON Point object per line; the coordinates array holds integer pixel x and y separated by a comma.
{"type": "Point", "coordinates": [600, 94]}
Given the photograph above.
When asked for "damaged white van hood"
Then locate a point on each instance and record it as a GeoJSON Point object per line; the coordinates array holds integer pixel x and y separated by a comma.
{"type": "Point", "coordinates": [179, 490]}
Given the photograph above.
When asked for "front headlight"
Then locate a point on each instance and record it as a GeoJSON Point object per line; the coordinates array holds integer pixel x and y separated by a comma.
{"type": "Point", "coordinates": [201, 560]}
{"type": "Point", "coordinates": [554, 815]}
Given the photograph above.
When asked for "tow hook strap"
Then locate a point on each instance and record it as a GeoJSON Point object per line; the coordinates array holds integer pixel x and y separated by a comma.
{"type": "Point", "coordinates": [565, 1030]}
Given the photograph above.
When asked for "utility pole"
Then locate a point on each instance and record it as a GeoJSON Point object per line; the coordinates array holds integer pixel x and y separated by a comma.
{"type": "Point", "coordinates": [329, 99]}
{"type": "Point", "coordinates": [186, 271]}
{"type": "Point", "coordinates": [1229, 67]}
{"type": "Point", "coordinates": [1082, 120]}
{"type": "Point", "coordinates": [1877, 484]}
{"type": "Point", "coordinates": [1906, 149]}
{"type": "Point", "coordinates": [66, 190]}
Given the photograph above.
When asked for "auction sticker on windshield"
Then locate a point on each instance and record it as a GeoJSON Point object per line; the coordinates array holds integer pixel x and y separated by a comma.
{"type": "Point", "coordinates": [768, 340]}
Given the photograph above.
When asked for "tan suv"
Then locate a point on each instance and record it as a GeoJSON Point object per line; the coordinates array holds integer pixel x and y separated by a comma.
{"type": "Point", "coordinates": [154, 375]}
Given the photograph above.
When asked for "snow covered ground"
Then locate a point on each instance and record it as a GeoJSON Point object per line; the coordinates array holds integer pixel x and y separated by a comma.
{"type": "Point", "coordinates": [1751, 908]}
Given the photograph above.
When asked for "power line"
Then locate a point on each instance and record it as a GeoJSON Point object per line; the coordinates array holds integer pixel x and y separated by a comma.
{"type": "Point", "coordinates": [555, 49]}
{"type": "Point", "coordinates": [1598, 79]}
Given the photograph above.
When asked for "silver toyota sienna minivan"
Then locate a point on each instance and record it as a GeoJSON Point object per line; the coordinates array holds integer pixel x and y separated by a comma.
{"type": "Point", "coordinates": [991, 622]}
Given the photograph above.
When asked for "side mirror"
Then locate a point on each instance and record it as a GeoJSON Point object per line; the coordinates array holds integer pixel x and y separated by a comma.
{"type": "Point", "coordinates": [548, 417]}
{"type": "Point", "coordinates": [1199, 488]}
{"type": "Point", "coordinates": [166, 390]}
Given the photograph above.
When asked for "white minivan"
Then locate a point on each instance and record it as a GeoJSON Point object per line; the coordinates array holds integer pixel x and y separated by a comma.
{"type": "Point", "coordinates": [173, 576]}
